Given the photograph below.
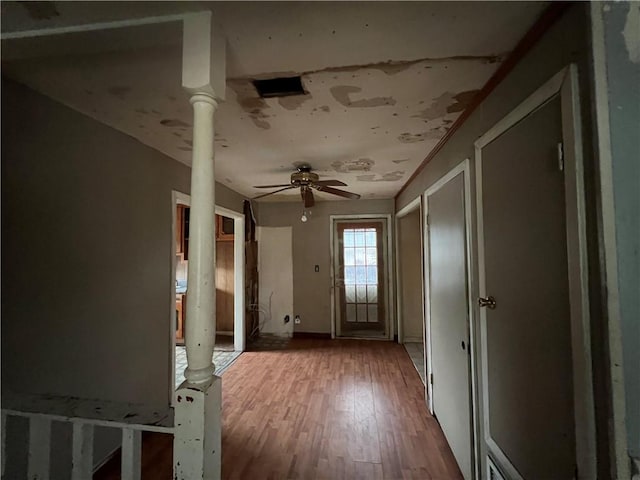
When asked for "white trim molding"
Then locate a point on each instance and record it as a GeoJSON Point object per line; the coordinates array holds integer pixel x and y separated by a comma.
{"type": "Point", "coordinates": [564, 85]}
{"type": "Point", "coordinates": [464, 169]}
{"type": "Point", "coordinates": [389, 297]}
{"type": "Point", "coordinates": [412, 206]}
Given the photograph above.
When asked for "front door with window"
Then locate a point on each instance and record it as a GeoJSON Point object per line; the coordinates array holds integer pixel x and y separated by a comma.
{"type": "Point", "coordinates": [359, 273]}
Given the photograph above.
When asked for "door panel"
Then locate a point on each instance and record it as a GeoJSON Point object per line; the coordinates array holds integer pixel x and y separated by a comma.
{"type": "Point", "coordinates": [449, 318]}
{"type": "Point", "coordinates": [360, 269]}
{"type": "Point", "coordinates": [528, 373]}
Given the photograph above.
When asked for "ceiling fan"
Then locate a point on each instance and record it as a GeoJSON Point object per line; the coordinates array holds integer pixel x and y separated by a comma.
{"type": "Point", "coordinates": [306, 180]}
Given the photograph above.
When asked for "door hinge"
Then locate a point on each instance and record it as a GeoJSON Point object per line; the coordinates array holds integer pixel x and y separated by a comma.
{"type": "Point", "coordinates": [431, 378]}
{"type": "Point", "coordinates": [560, 157]}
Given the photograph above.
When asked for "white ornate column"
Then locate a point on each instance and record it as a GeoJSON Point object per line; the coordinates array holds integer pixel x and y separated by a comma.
{"type": "Point", "coordinates": [198, 405]}
{"type": "Point", "coordinates": [201, 302]}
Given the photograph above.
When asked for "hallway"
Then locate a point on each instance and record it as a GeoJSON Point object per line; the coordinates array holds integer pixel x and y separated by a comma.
{"type": "Point", "coordinates": [326, 409]}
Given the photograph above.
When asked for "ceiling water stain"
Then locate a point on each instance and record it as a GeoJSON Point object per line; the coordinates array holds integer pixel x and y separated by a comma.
{"type": "Point", "coordinates": [325, 108]}
{"type": "Point", "coordinates": [292, 102]}
{"type": "Point", "coordinates": [174, 122]}
{"type": "Point", "coordinates": [387, 177]}
{"type": "Point", "coordinates": [446, 103]}
{"type": "Point", "coordinates": [359, 165]}
{"type": "Point", "coordinates": [462, 99]}
{"type": "Point", "coordinates": [407, 137]}
{"type": "Point", "coordinates": [249, 101]}
{"type": "Point", "coordinates": [342, 93]}
{"type": "Point", "coordinates": [41, 10]}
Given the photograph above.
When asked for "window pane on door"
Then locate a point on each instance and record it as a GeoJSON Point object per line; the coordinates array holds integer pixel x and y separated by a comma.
{"type": "Point", "coordinates": [350, 293]}
{"type": "Point", "coordinates": [372, 293]}
{"type": "Point", "coordinates": [360, 257]}
{"type": "Point", "coordinates": [351, 312]}
{"type": "Point", "coordinates": [361, 293]}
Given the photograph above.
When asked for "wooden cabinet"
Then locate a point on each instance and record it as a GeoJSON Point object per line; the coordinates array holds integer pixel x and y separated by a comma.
{"type": "Point", "coordinates": [224, 228]}
{"type": "Point", "coordinates": [180, 311]}
{"type": "Point", "coordinates": [182, 231]}
{"type": "Point", "coordinates": [179, 230]}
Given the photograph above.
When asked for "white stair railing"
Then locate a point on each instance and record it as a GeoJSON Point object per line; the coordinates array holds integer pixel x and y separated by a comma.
{"type": "Point", "coordinates": [84, 415]}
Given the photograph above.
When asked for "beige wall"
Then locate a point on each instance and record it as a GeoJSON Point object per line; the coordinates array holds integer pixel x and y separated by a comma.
{"type": "Point", "coordinates": [275, 279]}
{"type": "Point", "coordinates": [311, 290]}
{"type": "Point", "coordinates": [565, 42]}
{"type": "Point", "coordinates": [409, 249]}
{"type": "Point", "coordinates": [87, 246]}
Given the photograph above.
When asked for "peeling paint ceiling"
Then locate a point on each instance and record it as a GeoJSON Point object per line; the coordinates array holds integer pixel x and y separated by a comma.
{"type": "Point", "coordinates": [384, 81]}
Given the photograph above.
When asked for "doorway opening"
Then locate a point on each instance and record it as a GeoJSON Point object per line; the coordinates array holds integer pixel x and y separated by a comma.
{"type": "Point", "coordinates": [409, 285]}
{"type": "Point", "coordinates": [361, 276]}
{"type": "Point", "coordinates": [230, 274]}
{"type": "Point", "coordinates": [449, 327]}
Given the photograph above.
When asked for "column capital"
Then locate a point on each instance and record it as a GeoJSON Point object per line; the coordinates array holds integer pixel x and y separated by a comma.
{"type": "Point", "coordinates": [203, 97]}
{"type": "Point", "coordinates": [203, 56]}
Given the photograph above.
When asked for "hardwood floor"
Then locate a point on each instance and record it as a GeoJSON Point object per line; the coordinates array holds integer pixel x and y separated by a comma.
{"type": "Point", "coordinates": [323, 409]}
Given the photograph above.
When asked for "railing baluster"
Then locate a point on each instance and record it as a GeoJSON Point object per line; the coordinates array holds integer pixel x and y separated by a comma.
{"type": "Point", "coordinates": [39, 448]}
{"type": "Point", "coordinates": [131, 453]}
{"type": "Point", "coordinates": [82, 456]}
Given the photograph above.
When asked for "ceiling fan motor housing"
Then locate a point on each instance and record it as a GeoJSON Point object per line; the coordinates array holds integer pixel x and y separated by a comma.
{"type": "Point", "coordinates": [303, 177]}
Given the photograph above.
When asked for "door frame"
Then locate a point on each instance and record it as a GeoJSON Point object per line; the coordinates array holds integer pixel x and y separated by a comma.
{"type": "Point", "coordinates": [179, 198]}
{"type": "Point", "coordinates": [463, 168]}
{"type": "Point", "coordinates": [389, 299]}
{"type": "Point", "coordinates": [412, 206]}
{"type": "Point", "coordinates": [565, 85]}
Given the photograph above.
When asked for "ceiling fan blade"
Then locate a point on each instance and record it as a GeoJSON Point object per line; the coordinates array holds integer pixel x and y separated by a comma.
{"type": "Point", "coordinates": [307, 197]}
{"type": "Point", "coordinates": [272, 186]}
{"type": "Point", "coordinates": [288, 187]}
{"type": "Point", "coordinates": [341, 193]}
{"type": "Point", "coordinates": [330, 183]}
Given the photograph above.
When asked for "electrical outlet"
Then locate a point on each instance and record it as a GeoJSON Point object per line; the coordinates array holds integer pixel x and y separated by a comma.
{"type": "Point", "coordinates": [297, 320]}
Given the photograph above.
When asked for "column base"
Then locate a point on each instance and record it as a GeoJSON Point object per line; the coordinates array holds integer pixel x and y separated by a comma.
{"type": "Point", "coordinates": [197, 443]}
{"type": "Point", "coordinates": [199, 376]}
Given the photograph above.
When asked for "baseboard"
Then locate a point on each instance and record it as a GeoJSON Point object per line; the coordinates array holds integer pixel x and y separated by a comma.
{"type": "Point", "coordinates": [316, 335]}
{"type": "Point", "coordinates": [407, 339]}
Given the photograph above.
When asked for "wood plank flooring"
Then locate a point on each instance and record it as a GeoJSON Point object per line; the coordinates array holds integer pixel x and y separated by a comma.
{"type": "Point", "coordinates": [322, 409]}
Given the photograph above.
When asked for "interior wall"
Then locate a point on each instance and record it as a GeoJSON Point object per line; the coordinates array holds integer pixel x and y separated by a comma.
{"type": "Point", "coordinates": [621, 21]}
{"type": "Point", "coordinates": [275, 279]}
{"type": "Point", "coordinates": [311, 239]}
{"type": "Point", "coordinates": [87, 245]}
{"type": "Point", "coordinates": [565, 42]}
{"type": "Point", "coordinates": [410, 251]}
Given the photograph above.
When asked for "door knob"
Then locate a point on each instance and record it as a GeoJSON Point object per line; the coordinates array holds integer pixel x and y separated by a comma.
{"type": "Point", "coordinates": [488, 302]}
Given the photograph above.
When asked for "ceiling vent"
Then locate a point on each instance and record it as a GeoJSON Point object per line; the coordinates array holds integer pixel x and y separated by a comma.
{"type": "Point", "coordinates": [279, 87]}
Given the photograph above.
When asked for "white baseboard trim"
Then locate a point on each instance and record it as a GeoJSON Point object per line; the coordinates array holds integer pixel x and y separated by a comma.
{"type": "Point", "coordinates": [407, 339]}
